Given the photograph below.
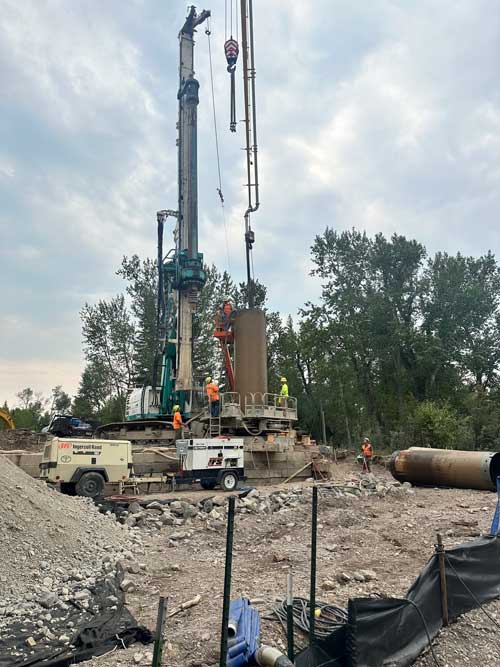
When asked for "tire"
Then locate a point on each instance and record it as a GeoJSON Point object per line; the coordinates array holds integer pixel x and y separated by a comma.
{"type": "Point", "coordinates": [229, 481]}
{"type": "Point", "coordinates": [208, 484]}
{"type": "Point", "coordinates": [68, 488]}
{"type": "Point", "coordinates": [90, 485]}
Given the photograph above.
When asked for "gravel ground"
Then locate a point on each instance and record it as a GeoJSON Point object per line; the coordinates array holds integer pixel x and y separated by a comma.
{"type": "Point", "coordinates": [473, 640]}
{"type": "Point", "coordinates": [392, 536]}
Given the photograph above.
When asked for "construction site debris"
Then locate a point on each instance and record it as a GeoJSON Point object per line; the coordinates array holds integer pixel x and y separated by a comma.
{"type": "Point", "coordinates": [297, 472]}
{"type": "Point", "coordinates": [185, 605]}
{"type": "Point", "coordinates": [210, 512]}
{"type": "Point", "coordinates": [22, 439]}
{"type": "Point", "coordinates": [54, 549]}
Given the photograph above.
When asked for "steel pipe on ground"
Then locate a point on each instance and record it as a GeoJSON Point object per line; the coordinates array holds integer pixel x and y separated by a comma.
{"type": "Point", "coordinates": [446, 467]}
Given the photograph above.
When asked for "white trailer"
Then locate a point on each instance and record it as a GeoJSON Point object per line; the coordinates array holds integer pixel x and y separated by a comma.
{"type": "Point", "coordinates": [85, 466]}
{"type": "Point", "coordinates": [211, 461]}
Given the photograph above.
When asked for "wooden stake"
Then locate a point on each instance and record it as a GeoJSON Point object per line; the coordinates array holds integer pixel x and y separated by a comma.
{"type": "Point", "coordinates": [297, 472]}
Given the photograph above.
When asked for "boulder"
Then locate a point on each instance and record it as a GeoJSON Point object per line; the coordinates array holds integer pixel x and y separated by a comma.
{"type": "Point", "coordinates": [47, 600]}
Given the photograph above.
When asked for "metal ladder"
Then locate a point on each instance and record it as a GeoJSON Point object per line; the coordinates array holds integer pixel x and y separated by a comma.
{"type": "Point", "coordinates": [214, 425]}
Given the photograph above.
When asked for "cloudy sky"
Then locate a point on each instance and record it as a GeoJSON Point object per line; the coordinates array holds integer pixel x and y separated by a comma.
{"type": "Point", "coordinates": [383, 115]}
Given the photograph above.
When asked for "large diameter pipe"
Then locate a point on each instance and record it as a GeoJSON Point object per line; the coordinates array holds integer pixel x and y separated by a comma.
{"type": "Point", "coordinates": [446, 467]}
{"type": "Point", "coordinates": [250, 353]}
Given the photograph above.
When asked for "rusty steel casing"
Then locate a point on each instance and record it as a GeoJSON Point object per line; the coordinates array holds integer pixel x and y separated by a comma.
{"type": "Point", "coordinates": [446, 467]}
{"type": "Point", "coordinates": [250, 353]}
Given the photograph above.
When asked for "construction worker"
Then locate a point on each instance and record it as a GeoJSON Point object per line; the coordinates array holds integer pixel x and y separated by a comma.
{"type": "Point", "coordinates": [227, 311]}
{"type": "Point", "coordinates": [177, 422]}
{"type": "Point", "coordinates": [367, 451]}
{"type": "Point", "coordinates": [213, 396]}
{"type": "Point", "coordinates": [283, 392]}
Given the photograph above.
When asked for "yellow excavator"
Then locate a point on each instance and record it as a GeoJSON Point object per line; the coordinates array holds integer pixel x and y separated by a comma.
{"type": "Point", "coordinates": [6, 420]}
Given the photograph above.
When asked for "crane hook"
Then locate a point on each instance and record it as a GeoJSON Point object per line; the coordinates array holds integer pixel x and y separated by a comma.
{"type": "Point", "coordinates": [231, 49]}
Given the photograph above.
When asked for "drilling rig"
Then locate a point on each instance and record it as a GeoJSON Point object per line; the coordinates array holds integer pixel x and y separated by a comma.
{"type": "Point", "coordinates": [248, 410]}
{"type": "Point", "coordinates": [181, 275]}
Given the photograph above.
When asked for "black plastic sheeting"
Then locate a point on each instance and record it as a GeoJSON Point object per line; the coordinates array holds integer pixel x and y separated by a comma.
{"type": "Point", "coordinates": [391, 632]}
{"type": "Point", "coordinates": [93, 633]}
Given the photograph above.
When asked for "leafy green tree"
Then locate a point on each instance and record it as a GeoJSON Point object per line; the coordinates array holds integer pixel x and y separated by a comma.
{"type": "Point", "coordinates": [461, 316]}
{"type": "Point", "coordinates": [61, 401]}
{"type": "Point", "coordinates": [483, 407]}
{"type": "Point", "coordinates": [112, 410]}
{"type": "Point", "coordinates": [94, 391]}
{"type": "Point", "coordinates": [440, 426]}
{"type": "Point", "coordinates": [370, 290]}
{"type": "Point", "coordinates": [142, 289]}
{"type": "Point", "coordinates": [109, 339]}
{"type": "Point", "coordinates": [30, 411]}
{"type": "Point", "coordinates": [399, 346]}
{"type": "Point", "coordinates": [26, 397]}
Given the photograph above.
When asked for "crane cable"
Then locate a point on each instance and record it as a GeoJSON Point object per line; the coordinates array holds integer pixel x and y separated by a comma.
{"type": "Point", "coordinates": [236, 18]}
{"type": "Point", "coordinates": [216, 134]}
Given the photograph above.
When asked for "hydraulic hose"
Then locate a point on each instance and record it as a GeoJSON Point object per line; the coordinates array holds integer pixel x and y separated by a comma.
{"type": "Point", "coordinates": [268, 656]}
{"type": "Point", "coordinates": [251, 432]}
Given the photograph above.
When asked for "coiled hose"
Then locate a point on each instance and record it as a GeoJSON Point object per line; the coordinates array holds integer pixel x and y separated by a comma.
{"type": "Point", "coordinates": [329, 618]}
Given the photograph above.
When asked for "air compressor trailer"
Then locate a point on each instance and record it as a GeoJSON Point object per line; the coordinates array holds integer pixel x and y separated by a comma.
{"type": "Point", "coordinates": [85, 466]}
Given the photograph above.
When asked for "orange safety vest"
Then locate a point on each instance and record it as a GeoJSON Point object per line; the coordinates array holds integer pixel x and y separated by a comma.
{"type": "Point", "coordinates": [367, 449]}
{"type": "Point", "coordinates": [177, 420]}
{"type": "Point", "coordinates": [213, 392]}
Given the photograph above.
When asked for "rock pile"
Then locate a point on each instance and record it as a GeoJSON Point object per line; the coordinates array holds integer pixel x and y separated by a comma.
{"type": "Point", "coordinates": [54, 551]}
{"type": "Point", "coordinates": [210, 512]}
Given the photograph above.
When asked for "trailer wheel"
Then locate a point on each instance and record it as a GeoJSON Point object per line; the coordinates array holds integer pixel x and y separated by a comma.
{"type": "Point", "coordinates": [208, 484]}
{"type": "Point", "coordinates": [229, 481]}
{"type": "Point", "coordinates": [90, 485]}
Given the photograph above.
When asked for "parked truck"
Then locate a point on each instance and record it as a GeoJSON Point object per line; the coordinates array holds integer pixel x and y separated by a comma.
{"type": "Point", "coordinates": [85, 466]}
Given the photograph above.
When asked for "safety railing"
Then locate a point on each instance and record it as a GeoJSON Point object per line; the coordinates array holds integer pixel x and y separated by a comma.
{"type": "Point", "coordinates": [255, 405]}
{"type": "Point", "coordinates": [270, 405]}
{"type": "Point", "coordinates": [230, 399]}
{"type": "Point", "coordinates": [229, 405]}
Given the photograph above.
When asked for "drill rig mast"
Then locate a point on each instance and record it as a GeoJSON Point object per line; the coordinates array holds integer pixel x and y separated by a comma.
{"type": "Point", "coordinates": [181, 275]}
{"type": "Point", "coordinates": [191, 277]}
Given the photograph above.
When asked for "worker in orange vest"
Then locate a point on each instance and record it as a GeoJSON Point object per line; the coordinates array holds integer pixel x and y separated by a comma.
{"type": "Point", "coordinates": [227, 310]}
{"type": "Point", "coordinates": [367, 451]}
{"type": "Point", "coordinates": [213, 396]}
{"type": "Point", "coordinates": [177, 422]}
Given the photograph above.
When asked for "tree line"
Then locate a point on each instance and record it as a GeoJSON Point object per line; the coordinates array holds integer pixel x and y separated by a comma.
{"type": "Point", "coordinates": [401, 345]}
{"type": "Point", "coordinates": [33, 410]}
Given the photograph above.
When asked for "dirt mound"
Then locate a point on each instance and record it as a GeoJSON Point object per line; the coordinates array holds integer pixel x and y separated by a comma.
{"type": "Point", "coordinates": [22, 438]}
